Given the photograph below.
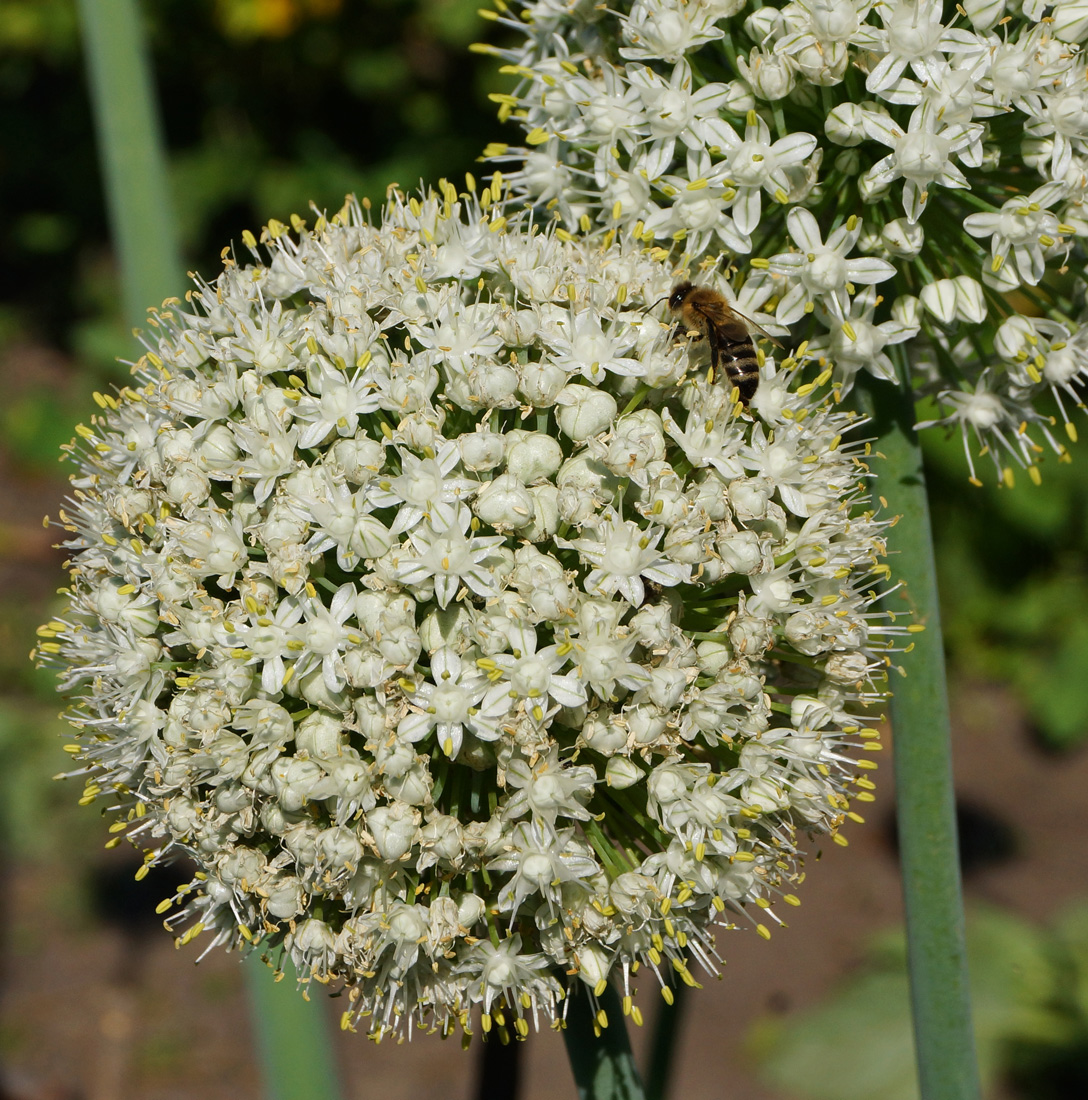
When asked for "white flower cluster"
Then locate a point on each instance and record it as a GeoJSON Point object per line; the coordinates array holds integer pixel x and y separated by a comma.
{"type": "Point", "coordinates": [773, 129]}
{"type": "Point", "coordinates": [466, 637]}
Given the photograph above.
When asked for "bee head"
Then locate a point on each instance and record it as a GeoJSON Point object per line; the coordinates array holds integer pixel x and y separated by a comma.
{"type": "Point", "coordinates": [678, 294]}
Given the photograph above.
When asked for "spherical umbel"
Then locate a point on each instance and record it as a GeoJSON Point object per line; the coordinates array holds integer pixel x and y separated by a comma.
{"type": "Point", "coordinates": [426, 593]}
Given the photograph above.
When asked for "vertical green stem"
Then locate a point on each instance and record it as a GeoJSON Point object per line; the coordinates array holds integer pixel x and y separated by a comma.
{"type": "Point", "coordinates": [663, 1048]}
{"type": "Point", "coordinates": [603, 1068]}
{"type": "Point", "coordinates": [131, 155]}
{"type": "Point", "coordinates": [929, 858]}
{"type": "Point", "coordinates": [293, 1047]}
{"type": "Point", "coordinates": [295, 1053]}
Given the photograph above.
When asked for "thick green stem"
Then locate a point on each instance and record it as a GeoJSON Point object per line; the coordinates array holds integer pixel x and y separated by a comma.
{"type": "Point", "coordinates": [131, 154]}
{"type": "Point", "coordinates": [925, 801]}
{"type": "Point", "coordinates": [293, 1047]}
{"type": "Point", "coordinates": [603, 1066]}
{"type": "Point", "coordinates": [295, 1055]}
{"type": "Point", "coordinates": [663, 1048]}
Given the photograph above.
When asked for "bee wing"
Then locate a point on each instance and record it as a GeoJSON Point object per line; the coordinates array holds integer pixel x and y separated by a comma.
{"type": "Point", "coordinates": [758, 328]}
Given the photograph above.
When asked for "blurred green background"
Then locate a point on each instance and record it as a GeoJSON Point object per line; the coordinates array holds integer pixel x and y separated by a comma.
{"type": "Point", "coordinates": [268, 105]}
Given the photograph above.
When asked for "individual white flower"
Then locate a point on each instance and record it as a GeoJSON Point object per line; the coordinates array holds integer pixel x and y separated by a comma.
{"type": "Point", "coordinates": [334, 404]}
{"type": "Point", "coordinates": [580, 345]}
{"type": "Point", "coordinates": [548, 788]}
{"type": "Point", "coordinates": [921, 156]}
{"type": "Point", "coordinates": [531, 677]}
{"type": "Point", "coordinates": [914, 36]}
{"type": "Point", "coordinates": [623, 554]}
{"type": "Point", "coordinates": [675, 112]}
{"type": "Point", "coordinates": [449, 558]}
{"type": "Point", "coordinates": [1062, 115]}
{"type": "Point", "coordinates": [858, 343]}
{"type": "Point", "coordinates": [541, 861]}
{"type": "Point", "coordinates": [424, 488]}
{"type": "Point", "coordinates": [824, 24]}
{"type": "Point", "coordinates": [988, 416]}
{"type": "Point", "coordinates": [448, 705]}
{"type": "Point", "coordinates": [667, 30]}
{"type": "Point", "coordinates": [271, 455]}
{"type": "Point", "coordinates": [770, 74]}
{"type": "Point", "coordinates": [1022, 234]}
{"type": "Point", "coordinates": [340, 518]}
{"type": "Point", "coordinates": [755, 164]}
{"type": "Point", "coordinates": [822, 270]}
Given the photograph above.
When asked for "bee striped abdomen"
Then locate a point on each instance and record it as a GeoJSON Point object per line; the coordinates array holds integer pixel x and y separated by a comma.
{"type": "Point", "coordinates": [738, 361]}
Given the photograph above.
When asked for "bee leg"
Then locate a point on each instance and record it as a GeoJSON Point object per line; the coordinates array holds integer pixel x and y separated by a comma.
{"type": "Point", "coordinates": [715, 355]}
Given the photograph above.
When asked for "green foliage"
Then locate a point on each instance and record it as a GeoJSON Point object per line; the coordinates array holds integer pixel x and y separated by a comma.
{"type": "Point", "coordinates": [38, 817]}
{"type": "Point", "coordinates": [267, 105]}
{"type": "Point", "coordinates": [38, 28]}
{"type": "Point", "coordinates": [1029, 993]}
{"type": "Point", "coordinates": [1014, 583]}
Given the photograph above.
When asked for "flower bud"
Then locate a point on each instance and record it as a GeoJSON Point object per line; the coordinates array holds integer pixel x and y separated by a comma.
{"type": "Point", "coordinates": [622, 772]}
{"type": "Point", "coordinates": [906, 310]}
{"type": "Point", "coordinates": [394, 828]}
{"type": "Point", "coordinates": [339, 847]}
{"type": "Point", "coordinates": [584, 412]}
{"type": "Point", "coordinates": [534, 456]}
{"type": "Point", "coordinates": [845, 124]}
{"type": "Point", "coordinates": [749, 497]}
{"type": "Point", "coordinates": [741, 552]}
{"type": "Point", "coordinates": [939, 298]}
{"type": "Point", "coordinates": [218, 449]}
{"type": "Point", "coordinates": [847, 668]}
{"type": "Point", "coordinates": [667, 784]}
{"type": "Point", "coordinates": [545, 521]}
{"type": "Point", "coordinates": [541, 382]}
{"type": "Point", "coordinates": [764, 23]}
{"type": "Point", "coordinates": [1069, 21]}
{"type": "Point", "coordinates": [445, 626]}
{"type": "Point", "coordinates": [903, 238]}
{"type": "Point", "coordinates": [319, 735]}
{"type": "Point", "coordinates": [394, 757]}
{"type": "Point", "coordinates": [188, 484]}
{"type": "Point", "coordinates": [666, 686]}
{"type": "Point", "coordinates": [470, 909]}
{"type": "Point", "coordinates": [284, 900]}
{"type": "Point", "coordinates": [312, 937]}
{"type": "Point", "coordinates": [357, 459]}
{"type": "Point", "coordinates": [970, 300]}
{"type": "Point", "coordinates": [504, 502]}
{"type": "Point", "coordinates": [849, 163]}
{"type": "Point", "coordinates": [602, 735]}
{"type": "Point", "coordinates": [771, 75]}
{"type": "Point", "coordinates": [413, 787]}
{"type": "Point", "coordinates": [481, 449]}
{"type": "Point", "coordinates": [646, 722]}
{"type": "Point", "coordinates": [751, 636]}
{"type": "Point", "coordinates": [985, 14]}
{"type": "Point", "coordinates": [823, 63]}
{"type": "Point", "coordinates": [592, 964]}
{"type": "Point", "coordinates": [1014, 335]}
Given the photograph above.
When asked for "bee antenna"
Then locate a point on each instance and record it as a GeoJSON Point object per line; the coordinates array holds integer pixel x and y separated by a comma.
{"type": "Point", "coordinates": [646, 309]}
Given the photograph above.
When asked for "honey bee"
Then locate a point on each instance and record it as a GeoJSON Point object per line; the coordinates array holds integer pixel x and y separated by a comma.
{"type": "Point", "coordinates": [707, 313]}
